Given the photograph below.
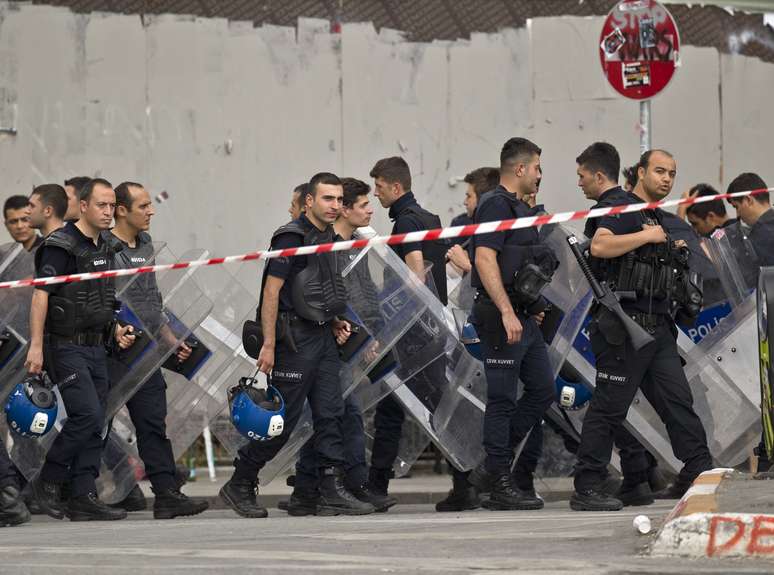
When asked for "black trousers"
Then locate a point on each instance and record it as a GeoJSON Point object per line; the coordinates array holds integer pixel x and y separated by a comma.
{"type": "Point", "coordinates": [81, 374]}
{"type": "Point", "coordinates": [311, 372]}
{"type": "Point", "coordinates": [353, 437]}
{"type": "Point", "coordinates": [7, 470]}
{"type": "Point", "coordinates": [148, 412]}
{"type": "Point", "coordinates": [621, 371]}
{"type": "Point", "coordinates": [508, 418]}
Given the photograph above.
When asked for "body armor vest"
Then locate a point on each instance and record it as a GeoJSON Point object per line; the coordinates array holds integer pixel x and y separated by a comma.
{"type": "Point", "coordinates": [513, 256]}
{"type": "Point", "coordinates": [140, 292]}
{"type": "Point", "coordinates": [432, 251]}
{"type": "Point", "coordinates": [85, 305]}
{"type": "Point", "coordinates": [318, 292]}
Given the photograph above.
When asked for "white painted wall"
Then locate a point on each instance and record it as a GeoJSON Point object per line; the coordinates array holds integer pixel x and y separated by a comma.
{"type": "Point", "coordinates": [227, 118]}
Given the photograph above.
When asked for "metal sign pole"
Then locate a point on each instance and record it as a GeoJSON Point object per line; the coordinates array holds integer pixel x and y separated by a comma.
{"type": "Point", "coordinates": [644, 126]}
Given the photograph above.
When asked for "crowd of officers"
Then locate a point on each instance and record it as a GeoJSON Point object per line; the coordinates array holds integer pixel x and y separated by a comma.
{"type": "Point", "coordinates": [304, 324]}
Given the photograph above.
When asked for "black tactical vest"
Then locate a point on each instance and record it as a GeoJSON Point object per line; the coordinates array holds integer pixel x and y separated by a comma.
{"type": "Point", "coordinates": [318, 292]}
{"type": "Point", "coordinates": [432, 251]}
{"type": "Point", "coordinates": [521, 247]}
{"type": "Point", "coordinates": [140, 292]}
{"type": "Point", "coordinates": [85, 305]}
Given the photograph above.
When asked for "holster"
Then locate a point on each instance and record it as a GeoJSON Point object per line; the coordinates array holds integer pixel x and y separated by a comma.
{"type": "Point", "coordinates": [252, 335]}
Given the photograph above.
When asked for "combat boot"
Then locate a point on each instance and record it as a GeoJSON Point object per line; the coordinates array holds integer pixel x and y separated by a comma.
{"type": "Point", "coordinates": [171, 503]}
{"type": "Point", "coordinates": [89, 508]}
{"type": "Point", "coordinates": [12, 508]}
{"type": "Point", "coordinates": [303, 502]}
{"type": "Point", "coordinates": [504, 496]}
{"type": "Point", "coordinates": [49, 498]}
{"type": "Point", "coordinates": [135, 501]}
{"type": "Point", "coordinates": [240, 495]}
{"type": "Point", "coordinates": [379, 480]}
{"type": "Point", "coordinates": [381, 502]}
{"type": "Point", "coordinates": [593, 500]}
{"type": "Point", "coordinates": [462, 497]}
{"type": "Point", "coordinates": [334, 497]}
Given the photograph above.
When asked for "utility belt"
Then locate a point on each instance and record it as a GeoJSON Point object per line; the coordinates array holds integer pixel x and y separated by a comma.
{"type": "Point", "coordinates": [252, 331]}
{"type": "Point", "coordinates": [519, 306]}
{"type": "Point", "coordinates": [649, 321]}
{"type": "Point", "coordinates": [293, 318]}
{"type": "Point", "coordinates": [84, 338]}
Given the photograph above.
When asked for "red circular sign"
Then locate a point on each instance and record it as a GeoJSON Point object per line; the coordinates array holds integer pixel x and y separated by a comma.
{"type": "Point", "coordinates": [639, 48]}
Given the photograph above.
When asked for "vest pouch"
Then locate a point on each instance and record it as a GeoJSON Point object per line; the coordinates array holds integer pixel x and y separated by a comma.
{"type": "Point", "coordinates": [60, 318]}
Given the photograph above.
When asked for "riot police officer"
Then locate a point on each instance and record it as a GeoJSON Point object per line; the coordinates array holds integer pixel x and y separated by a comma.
{"type": "Point", "coordinates": [148, 406]}
{"type": "Point", "coordinates": [504, 264]}
{"type": "Point", "coordinates": [639, 261]}
{"type": "Point", "coordinates": [74, 321]}
{"type": "Point", "coordinates": [301, 299]}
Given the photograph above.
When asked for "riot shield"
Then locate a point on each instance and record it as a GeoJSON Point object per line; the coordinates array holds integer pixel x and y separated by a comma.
{"type": "Point", "coordinates": [196, 389]}
{"type": "Point", "coordinates": [155, 342]}
{"type": "Point", "coordinates": [765, 306]}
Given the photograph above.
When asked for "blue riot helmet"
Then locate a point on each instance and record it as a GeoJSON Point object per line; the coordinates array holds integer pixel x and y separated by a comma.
{"type": "Point", "coordinates": [257, 412]}
{"type": "Point", "coordinates": [471, 340]}
{"type": "Point", "coordinates": [32, 407]}
{"type": "Point", "coordinates": [570, 392]}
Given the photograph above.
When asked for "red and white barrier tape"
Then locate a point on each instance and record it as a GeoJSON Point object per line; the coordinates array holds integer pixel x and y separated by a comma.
{"type": "Point", "coordinates": [412, 237]}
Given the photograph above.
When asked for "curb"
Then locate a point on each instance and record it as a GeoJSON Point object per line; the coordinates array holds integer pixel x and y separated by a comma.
{"type": "Point", "coordinates": [695, 528]}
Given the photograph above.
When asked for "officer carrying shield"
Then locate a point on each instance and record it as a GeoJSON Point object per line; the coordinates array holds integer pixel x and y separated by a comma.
{"type": "Point", "coordinates": [301, 298]}
{"type": "Point", "coordinates": [509, 269]}
{"type": "Point", "coordinates": [148, 406]}
{"type": "Point", "coordinates": [74, 321]}
{"type": "Point", "coordinates": [648, 272]}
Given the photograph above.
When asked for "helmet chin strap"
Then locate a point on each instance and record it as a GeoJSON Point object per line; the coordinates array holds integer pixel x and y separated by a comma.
{"type": "Point", "coordinates": [260, 382]}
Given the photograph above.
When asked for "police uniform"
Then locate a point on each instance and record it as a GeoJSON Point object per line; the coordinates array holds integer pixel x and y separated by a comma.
{"type": "Point", "coordinates": [656, 368]}
{"type": "Point", "coordinates": [306, 362]}
{"type": "Point", "coordinates": [508, 419]}
{"type": "Point", "coordinates": [78, 325]}
{"type": "Point", "coordinates": [408, 216]}
{"type": "Point", "coordinates": [462, 219]}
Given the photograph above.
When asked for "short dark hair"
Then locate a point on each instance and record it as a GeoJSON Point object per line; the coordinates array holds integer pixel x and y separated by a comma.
{"type": "Point", "coordinates": [124, 194]}
{"type": "Point", "coordinates": [645, 157]}
{"type": "Point", "coordinates": [704, 209]}
{"type": "Point", "coordinates": [52, 195]}
{"type": "Point", "coordinates": [301, 189]}
{"type": "Point", "coordinates": [631, 176]}
{"type": "Point", "coordinates": [483, 180]}
{"type": "Point", "coordinates": [85, 194]}
{"type": "Point", "coordinates": [15, 203]}
{"type": "Point", "coordinates": [518, 150]}
{"type": "Point", "coordinates": [393, 170]}
{"type": "Point", "coordinates": [601, 157]}
{"type": "Point", "coordinates": [319, 178]}
{"type": "Point", "coordinates": [746, 182]}
{"type": "Point", "coordinates": [77, 183]}
{"type": "Point", "coordinates": [353, 190]}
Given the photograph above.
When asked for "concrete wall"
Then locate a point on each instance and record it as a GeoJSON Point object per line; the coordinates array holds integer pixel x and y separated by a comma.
{"type": "Point", "coordinates": [227, 118]}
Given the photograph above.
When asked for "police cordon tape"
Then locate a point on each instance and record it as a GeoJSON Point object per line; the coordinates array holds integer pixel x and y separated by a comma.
{"type": "Point", "coordinates": [408, 238]}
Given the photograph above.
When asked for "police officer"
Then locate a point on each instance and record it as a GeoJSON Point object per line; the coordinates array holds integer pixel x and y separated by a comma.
{"type": "Point", "coordinates": [392, 187]}
{"type": "Point", "coordinates": [512, 344]}
{"type": "Point", "coordinates": [74, 321]}
{"type": "Point", "coordinates": [148, 406]}
{"type": "Point", "coordinates": [598, 167]}
{"type": "Point", "coordinates": [756, 213]}
{"type": "Point", "coordinates": [73, 187]}
{"type": "Point", "coordinates": [637, 253]}
{"type": "Point", "coordinates": [48, 208]}
{"type": "Point", "coordinates": [16, 211]}
{"type": "Point", "coordinates": [300, 301]}
{"type": "Point", "coordinates": [355, 215]}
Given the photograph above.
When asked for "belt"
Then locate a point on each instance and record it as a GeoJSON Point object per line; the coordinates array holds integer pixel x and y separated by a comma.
{"type": "Point", "coordinates": [483, 298]}
{"type": "Point", "coordinates": [85, 338]}
{"type": "Point", "coordinates": [649, 321]}
{"type": "Point", "coordinates": [295, 318]}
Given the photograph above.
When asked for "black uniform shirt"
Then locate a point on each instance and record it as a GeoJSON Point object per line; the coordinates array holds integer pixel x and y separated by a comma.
{"type": "Point", "coordinates": [500, 207]}
{"type": "Point", "coordinates": [630, 223]}
{"type": "Point", "coordinates": [55, 261]}
{"type": "Point", "coordinates": [460, 220]}
{"type": "Point", "coordinates": [762, 237]}
{"type": "Point", "coordinates": [612, 197]}
{"type": "Point", "coordinates": [405, 223]}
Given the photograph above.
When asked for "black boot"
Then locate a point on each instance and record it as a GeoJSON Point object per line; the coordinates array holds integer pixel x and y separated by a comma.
{"type": "Point", "coordinates": [135, 501]}
{"type": "Point", "coordinates": [171, 503]}
{"type": "Point", "coordinates": [240, 495]}
{"type": "Point", "coordinates": [49, 498]}
{"type": "Point", "coordinates": [334, 497]}
{"type": "Point", "coordinates": [635, 495]}
{"type": "Point", "coordinates": [594, 500]}
{"type": "Point", "coordinates": [12, 508]}
{"type": "Point", "coordinates": [462, 497]}
{"type": "Point", "coordinates": [379, 480]}
{"type": "Point", "coordinates": [675, 491]}
{"type": "Point", "coordinates": [182, 473]}
{"type": "Point", "coordinates": [506, 497]}
{"type": "Point", "coordinates": [303, 502]}
{"type": "Point", "coordinates": [480, 478]}
{"type": "Point", "coordinates": [381, 502]}
{"type": "Point", "coordinates": [89, 508]}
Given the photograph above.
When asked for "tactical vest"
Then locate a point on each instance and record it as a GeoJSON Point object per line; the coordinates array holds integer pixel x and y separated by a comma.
{"type": "Point", "coordinates": [433, 251]}
{"type": "Point", "coordinates": [140, 292]}
{"type": "Point", "coordinates": [85, 305]}
{"type": "Point", "coordinates": [317, 292]}
{"type": "Point", "coordinates": [514, 256]}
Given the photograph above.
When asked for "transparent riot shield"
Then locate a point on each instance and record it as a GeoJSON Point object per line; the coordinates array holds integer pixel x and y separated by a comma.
{"type": "Point", "coordinates": [196, 389]}
{"type": "Point", "coordinates": [155, 342]}
{"type": "Point", "coordinates": [384, 306]}
{"type": "Point", "coordinates": [765, 307]}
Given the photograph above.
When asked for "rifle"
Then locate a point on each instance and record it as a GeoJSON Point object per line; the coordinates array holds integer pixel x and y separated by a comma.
{"type": "Point", "coordinates": [607, 299]}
